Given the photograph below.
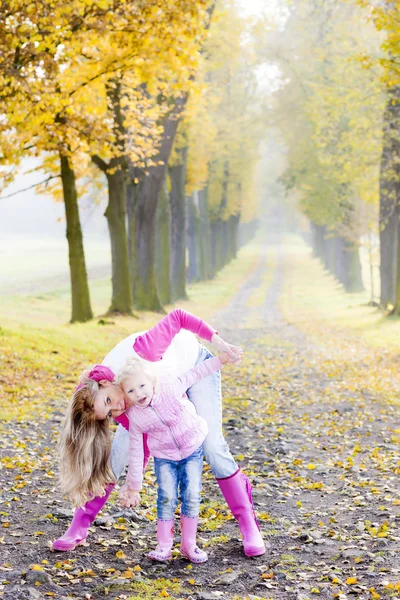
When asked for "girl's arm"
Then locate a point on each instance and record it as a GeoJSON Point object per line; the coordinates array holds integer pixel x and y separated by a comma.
{"type": "Point", "coordinates": [153, 344]}
{"type": "Point", "coordinates": [200, 371]}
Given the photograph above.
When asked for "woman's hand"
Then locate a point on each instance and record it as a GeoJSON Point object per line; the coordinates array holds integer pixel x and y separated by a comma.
{"type": "Point", "coordinates": [128, 498]}
{"type": "Point", "coordinates": [235, 353]}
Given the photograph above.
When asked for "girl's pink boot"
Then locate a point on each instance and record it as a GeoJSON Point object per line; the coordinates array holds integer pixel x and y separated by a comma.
{"type": "Point", "coordinates": [237, 492]}
{"type": "Point", "coordinates": [82, 519]}
{"type": "Point", "coordinates": [165, 539]}
{"type": "Point", "coordinates": [189, 548]}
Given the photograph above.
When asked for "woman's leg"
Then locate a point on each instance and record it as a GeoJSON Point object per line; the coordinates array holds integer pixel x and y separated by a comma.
{"type": "Point", "coordinates": [85, 515]}
{"type": "Point", "coordinates": [189, 474]}
{"type": "Point", "coordinates": [167, 500]}
{"type": "Point", "coordinates": [207, 397]}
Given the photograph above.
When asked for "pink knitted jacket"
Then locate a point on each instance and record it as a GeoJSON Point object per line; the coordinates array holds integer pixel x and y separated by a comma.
{"type": "Point", "coordinates": [174, 428]}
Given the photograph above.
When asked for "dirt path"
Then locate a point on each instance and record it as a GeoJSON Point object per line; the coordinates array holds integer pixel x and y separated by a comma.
{"type": "Point", "coordinates": [319, 447]}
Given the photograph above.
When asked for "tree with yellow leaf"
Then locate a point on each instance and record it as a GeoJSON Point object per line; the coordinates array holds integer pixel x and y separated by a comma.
{"type": "Point", "coordinates": [69, 100]}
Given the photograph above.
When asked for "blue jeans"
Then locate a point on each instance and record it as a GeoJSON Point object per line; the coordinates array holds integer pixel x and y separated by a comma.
{"type": "Point", "coordinates": [183, 475]}
{"type": "Point", "coordinates": [207, 397]}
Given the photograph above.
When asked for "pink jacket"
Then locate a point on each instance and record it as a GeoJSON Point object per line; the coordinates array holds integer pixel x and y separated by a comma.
{"type": "Point", "coordinates": [174, 428]}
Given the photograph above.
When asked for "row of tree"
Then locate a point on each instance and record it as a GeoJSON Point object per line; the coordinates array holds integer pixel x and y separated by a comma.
{"type": "Point", "coordinates": [329, 112]}
{"type": "Point", "coordinates": [337, 109]}
{"type": "Point", "coordinates": [158, 102]}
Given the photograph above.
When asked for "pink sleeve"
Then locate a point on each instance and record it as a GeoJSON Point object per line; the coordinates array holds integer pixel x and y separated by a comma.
{"type": "Point", "coordinates": [136, 456]}
{"type": "Point", "coordinates": [123, 420]}
{"type": "Point", "coordinates": [200, 371]}
{"type": "Point", "coordinates": [152, 344]}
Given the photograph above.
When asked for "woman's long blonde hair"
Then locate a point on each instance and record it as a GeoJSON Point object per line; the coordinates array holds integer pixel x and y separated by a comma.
{"type": "Point", "coordinates": [85, 446]}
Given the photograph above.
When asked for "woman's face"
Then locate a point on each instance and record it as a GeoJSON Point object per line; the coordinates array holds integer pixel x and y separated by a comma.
{"type": "Point", "coordinates": [110, 401]}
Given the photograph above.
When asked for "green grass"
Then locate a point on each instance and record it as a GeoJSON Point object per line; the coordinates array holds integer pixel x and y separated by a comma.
{"type": "Point", "coordinates": [311, 293]}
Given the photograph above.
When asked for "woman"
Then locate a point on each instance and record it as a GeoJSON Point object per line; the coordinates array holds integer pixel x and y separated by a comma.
{"type": "Point", "coordinates": [86, 459]}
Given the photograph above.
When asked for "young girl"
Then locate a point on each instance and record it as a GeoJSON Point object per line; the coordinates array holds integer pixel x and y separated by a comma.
{"type": "Point", "coordinates": [175, 436]}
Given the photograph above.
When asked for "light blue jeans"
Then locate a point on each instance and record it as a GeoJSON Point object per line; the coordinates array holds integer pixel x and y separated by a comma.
{"type": "Point", "coordinates": [183, 476]}
{"type": "Point", "coordinates": [207, 398]}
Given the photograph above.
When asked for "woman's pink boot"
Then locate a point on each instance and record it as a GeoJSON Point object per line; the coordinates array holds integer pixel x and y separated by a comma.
{"type": "Point", "coordinates": [237, 492]}
{"type": "Point", "coordinates": [165, 539]}
{"type": "Point", "coordinates": [189, 548]}
{"type": "Point", "coordinates": [82, 519]}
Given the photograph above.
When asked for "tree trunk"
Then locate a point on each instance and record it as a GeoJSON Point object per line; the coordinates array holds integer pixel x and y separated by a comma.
{"type": "Point", "coordinates": [213, 248]}
{"type": "Point", "coordinates": [389, 197]}
{"type": "Point", "coordinates": [81, 308]}
{"type": "Point", "coordinates": [353, 278]}
{"type": "Point", "coordinates": [319, 242]}
{"type": "Point", "coordinates": [177, 196]}
{"type": "Point", "coordinates": [219, 250]}
{"type": "Point", "coordinates": [142, 224]}
{"type": "Point", "coordinates": [233, 225]}
{"type": "Point", "coordinates": [143, 227]}
{"type": "Point", "coordinates": [397, 298]}
{"type": "Point", "coordinates": [121, 301]}
{"type": "Point", "coordinates": [204, 238]}
{"type": "Point", "coordinates": [224, 244]}
{"type": "Point", "coordinates": [330, 261]}
{"type": "Point", "coordinates": [163, 243]}
{"type": "Point", "coordinates": [193, 238]}
{"type": "Point", "coordinates": [339, 259]}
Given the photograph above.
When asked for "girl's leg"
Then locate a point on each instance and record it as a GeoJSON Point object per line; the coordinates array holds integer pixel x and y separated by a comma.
{"type": "Point", "coordinates": [189, 474]}
{"type": "Point", "coordinates": [235, 486]}
{"type": "Point", "coordinates": [85, 515]}
{"type": "Point", "coordinates": [167, 500]}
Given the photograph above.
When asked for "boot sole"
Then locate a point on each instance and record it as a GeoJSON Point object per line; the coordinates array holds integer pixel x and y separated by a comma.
{"type": "Point", "coordinates": [196, 562]}
{"type": "Point", "coordinates": [159, 559]}
{"type": "Point", "coordinates": [66, 548]}
{"type": "Point", "coordinates": [254, 551]}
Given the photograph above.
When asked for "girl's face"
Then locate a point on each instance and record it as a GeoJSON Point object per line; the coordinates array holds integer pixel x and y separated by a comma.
{"type": "Point", "coordinates": [110, 401]}
{"type": "Point", "coordinates": [139, 389]}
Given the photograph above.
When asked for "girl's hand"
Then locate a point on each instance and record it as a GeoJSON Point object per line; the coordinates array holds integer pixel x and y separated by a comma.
{"type": "Point", "coordinates": [128, 498]}
{"type": "Point", "coordinates": [235, 353]}
{"type": "Point", "coordinates": [225, 358]}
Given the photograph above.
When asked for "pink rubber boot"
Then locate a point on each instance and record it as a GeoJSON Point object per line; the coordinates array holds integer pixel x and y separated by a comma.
{"type": "Point", "coordinates": [189, 548]}
{"type": "Point", "coordinates": [83, 518]}
{"type": "Point", "coordinates": [165, 539]}
{"type": "Point", "coordinates": [237, 492]}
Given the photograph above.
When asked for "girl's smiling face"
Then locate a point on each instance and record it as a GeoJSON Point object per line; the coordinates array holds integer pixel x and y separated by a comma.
{"type": "Point", "coordinates": [138, 389]}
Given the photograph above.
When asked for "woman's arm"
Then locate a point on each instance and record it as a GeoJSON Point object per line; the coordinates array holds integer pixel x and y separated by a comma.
{"type": "Point", "coordinates": [153, 344]}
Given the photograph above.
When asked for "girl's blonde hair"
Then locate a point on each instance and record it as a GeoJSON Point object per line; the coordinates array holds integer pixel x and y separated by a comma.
{"type": "Point", "coordinates": [137, 365]}
{"type": "Point", "coordinates": [85, 447]}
